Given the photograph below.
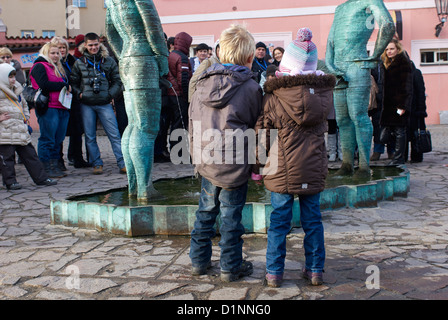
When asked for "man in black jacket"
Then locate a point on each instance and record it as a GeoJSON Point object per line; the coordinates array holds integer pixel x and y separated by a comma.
{"type": "Point", "coordinates": [96, 82]}
{"type": "Point", "coordinates": [260, 64]}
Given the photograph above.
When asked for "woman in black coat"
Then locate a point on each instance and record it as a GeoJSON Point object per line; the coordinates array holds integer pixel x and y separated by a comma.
{"type": "Point", "coordinates": [397, 97]}
{"type": "Point", "coordinates": [418, 113]}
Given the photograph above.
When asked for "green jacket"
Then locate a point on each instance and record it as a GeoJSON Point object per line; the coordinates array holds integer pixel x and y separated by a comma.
{"type": "Point", "coordinates": [105, 70]}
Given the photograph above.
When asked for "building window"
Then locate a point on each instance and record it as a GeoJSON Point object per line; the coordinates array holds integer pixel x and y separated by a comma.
{"type": "Point", "coordinates": [48, 33]}
{"type": "Point", "coordinates": [27, 33]}
{"type": "Point", "coordinates": [79, 3]}
{"type": "Point", "coordinates": [433, 57]}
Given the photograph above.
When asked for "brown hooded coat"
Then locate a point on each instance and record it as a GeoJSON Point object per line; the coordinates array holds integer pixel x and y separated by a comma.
{"type": "Point", "coordinates": [297, 106]}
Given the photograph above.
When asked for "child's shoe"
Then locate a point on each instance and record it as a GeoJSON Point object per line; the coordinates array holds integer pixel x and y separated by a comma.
{"type": "Point", "coordinates": [273, 280]}
{"type": "Point", "coordinates": [14, 186]}
{"type": "Point", "coordinates": [245, 269]}
{"type": "Point", "coordinates": [200, 270]}
{"type": "Point", "coordinates": [47, 182]}
{"type": "Point", "coordinates": [316, 278]}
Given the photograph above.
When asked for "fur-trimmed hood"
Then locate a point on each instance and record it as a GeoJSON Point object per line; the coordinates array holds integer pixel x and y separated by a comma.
{"type": "Point", "coordinates": [309, 80]}
{"type": "Point", "coordinates": [103, 52]}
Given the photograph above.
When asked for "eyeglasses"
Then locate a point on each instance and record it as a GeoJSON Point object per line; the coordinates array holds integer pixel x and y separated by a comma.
{"type": "Point", "coordinates": [6, 57]}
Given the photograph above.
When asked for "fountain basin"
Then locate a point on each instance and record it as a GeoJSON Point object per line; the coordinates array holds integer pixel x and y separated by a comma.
{"type": "Point", "coordinates": [112, 212]}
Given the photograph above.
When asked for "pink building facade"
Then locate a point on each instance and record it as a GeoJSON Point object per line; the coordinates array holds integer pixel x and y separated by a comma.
{"type": "Point", "coordinates": [277, 22]}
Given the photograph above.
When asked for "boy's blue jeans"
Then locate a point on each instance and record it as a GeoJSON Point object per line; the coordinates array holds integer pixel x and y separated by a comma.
{"type": "Point", "coordinates": [310, 218]}
{"type": "Point", "coordinates": [109, 121]}
{"type": "Point", "coordinates": [230, 203]}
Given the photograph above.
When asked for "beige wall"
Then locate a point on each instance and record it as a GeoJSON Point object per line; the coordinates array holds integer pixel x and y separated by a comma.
{"type": "Point", "coordinates": [39, 15]}
{"type": "Point", "coordinates": [92, 19]}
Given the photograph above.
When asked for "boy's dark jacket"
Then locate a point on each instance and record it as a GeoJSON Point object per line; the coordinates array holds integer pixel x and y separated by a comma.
{"type": "Point", "coordinates": [83, 73]}
{"type": "Point", "coordinates": [297, 106]}
{"type": "Point", "coordinates": [226, 98]}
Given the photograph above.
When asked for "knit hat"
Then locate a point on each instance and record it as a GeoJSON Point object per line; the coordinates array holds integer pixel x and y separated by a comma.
{"type": "Point", "coordinates": [260, 45]}
{"type": "Point", "coordinates": [78, 41]}
{"type": "Point", "coordinates": [300, 56]}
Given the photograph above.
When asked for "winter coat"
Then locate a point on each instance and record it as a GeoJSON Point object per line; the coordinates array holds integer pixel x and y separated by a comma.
{"type": "Point", "coordinates": [227, 101]}
{"type": "Point", "coordinates": [20, 76]}
{"type": "Point", "coordinates": [297, 106]}
{"type": "Point", "coordinates": [43, 76]}
{"type": "Point", "coordinates": [13, 131]}
{"type": "Point", "coordinates": [207, 63]}
{"type": "Point", "coordinates": [397, 92]}
{"type": "Point", "coordinates": [259, 66]}
{"type": "Point", "coordinates": [68, 64]}
{"type": "Point", "coordinates": [105, 70]}
{"type": "Point", "coordinates": [418, 109]}
{"type": "Point", "coordinates": [180, 70]}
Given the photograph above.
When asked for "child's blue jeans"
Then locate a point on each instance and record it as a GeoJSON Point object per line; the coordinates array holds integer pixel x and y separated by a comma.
{"type": "Point", "coordinates": [311, 221]}
{"type": "Point", "coordinates": [230, 203]}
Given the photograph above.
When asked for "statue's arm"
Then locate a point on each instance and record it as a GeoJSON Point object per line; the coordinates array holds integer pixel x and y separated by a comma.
{"type": "Point", "coordinates": [386, 27]}
{"type": "Point", "coordinates": [329, 55]}
{"type": "Point", "coordinates": [154, 33]}
{"type": "Point", "coordinates": [113, 38]}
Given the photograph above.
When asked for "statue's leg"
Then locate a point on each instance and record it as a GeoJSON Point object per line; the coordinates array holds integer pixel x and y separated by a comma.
{"type": "Point", "coordinates": [358, 101]}
{"type": "Point", "coordinates": [346, 131]}
{"type": "Point", "coordinates": [147, 105]}
{"type": "Point", "coordinates": [358, 96]}
{"type": "Point", "coordinates": [132, 178]}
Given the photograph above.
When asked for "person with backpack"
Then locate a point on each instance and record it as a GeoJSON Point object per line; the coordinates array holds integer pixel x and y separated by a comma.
{"type": "Point", "coordinates": [180, 73]}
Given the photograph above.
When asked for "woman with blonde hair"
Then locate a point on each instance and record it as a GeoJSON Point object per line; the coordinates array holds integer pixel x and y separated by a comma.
{"type": "Point", "coordinates": [74, 129]}
{"type": "Point", "coordinates": [6, 57]}
{"type": "Point", "coordinates": [397, 93]}
{"type": "Point", "coordinates": [49, 75]}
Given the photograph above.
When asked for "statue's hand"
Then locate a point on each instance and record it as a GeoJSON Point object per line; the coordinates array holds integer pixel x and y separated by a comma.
{"type": "Point", "coordinates": [367, 63]}
{"type": "Point", "coordinates": [162, 62]}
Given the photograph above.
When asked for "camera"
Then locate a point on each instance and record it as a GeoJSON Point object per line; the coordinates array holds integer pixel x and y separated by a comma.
{"type": "Point", "coordinates": [95, 83]}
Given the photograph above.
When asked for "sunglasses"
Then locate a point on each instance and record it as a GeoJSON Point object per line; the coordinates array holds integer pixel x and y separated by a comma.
{"type": "Point", "coordinates": [6, 57]}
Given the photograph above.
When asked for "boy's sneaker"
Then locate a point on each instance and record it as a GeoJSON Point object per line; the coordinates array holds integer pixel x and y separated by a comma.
{"type": "Point", "coordinates": [273, 280]}
{"type": "Point", "coordinates": [201, 270]}
{"type": "Point", "coordinates": [245, 269]}
{"type": "Point", "coordinates": [123, 170]}
{"type": "Point", "coordinates": [47, 182]}
{"type": "Point", "coordinates": [98, 170]}
{"type": "Point", "coordinates": [14, 186]}
{"type": "Point", "coordinates": [316, 278]}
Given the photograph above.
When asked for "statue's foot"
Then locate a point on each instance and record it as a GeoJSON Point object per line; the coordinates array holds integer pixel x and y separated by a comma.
{"type": "Point", "coordinates": [150, 194]}
{"type": "Point", "coordinates": [363, 173]}
{"type": "Point", "coordinates": [346, 169]}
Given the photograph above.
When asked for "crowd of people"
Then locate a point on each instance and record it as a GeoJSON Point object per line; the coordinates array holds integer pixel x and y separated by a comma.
{"type": "Point", "coordinates": [238, 84]}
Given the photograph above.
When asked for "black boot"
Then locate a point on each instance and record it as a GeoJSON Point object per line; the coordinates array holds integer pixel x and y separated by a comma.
{"type": "Point", "coordinates": [55, 172]}
{"type": "Point", "coordinates": [400, 146]}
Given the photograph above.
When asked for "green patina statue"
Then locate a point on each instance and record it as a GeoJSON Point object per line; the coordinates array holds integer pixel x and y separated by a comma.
{"type": "Point", "coordinates": [135, 34]}
{"type": "Point", "coordinates": [348, 59]}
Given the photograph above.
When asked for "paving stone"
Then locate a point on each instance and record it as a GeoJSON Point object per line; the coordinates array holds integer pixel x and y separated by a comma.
{"type": "Point", "coordinates": [229, 294]}
{"type": "Point", "coordinates": [405, 238]}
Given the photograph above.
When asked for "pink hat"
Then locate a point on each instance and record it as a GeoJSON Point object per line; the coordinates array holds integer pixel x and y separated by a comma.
{"type": "Point", "coordinates": [300, 55]}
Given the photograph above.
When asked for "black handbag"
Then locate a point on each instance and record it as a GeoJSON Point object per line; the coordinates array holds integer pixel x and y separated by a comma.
{"type": "Point", "coordinates": [36, 99]}
{"type": "Point", "coordinates": [423, 143]}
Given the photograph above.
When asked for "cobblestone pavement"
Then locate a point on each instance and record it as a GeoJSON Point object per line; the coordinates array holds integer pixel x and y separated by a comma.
{"type": "Point", "coordinates": [397, 250]}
